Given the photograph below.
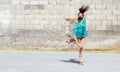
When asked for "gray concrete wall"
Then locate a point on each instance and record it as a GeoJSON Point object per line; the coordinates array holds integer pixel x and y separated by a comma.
{"type": "Point", "coordinates": [41, 23]}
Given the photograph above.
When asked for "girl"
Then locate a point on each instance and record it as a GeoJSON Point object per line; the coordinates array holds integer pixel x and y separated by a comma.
{"type": "Point", "coordinates": [80, 32]}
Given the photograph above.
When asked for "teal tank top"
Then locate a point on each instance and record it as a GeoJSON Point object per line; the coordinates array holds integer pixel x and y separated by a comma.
{"type": "Point", "coordinates": [81, 31]}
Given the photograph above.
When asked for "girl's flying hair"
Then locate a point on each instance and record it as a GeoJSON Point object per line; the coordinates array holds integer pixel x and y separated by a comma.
{"type": "Point", "coordinates": [83, 9]}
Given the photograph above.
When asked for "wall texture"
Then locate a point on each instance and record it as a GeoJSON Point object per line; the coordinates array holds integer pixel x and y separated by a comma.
{"type": "Point", "coordinates": [41, 23]}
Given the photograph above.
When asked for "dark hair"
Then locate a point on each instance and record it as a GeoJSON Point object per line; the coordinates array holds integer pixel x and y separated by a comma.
{"type": "Point", "coordinates": [83, 9]}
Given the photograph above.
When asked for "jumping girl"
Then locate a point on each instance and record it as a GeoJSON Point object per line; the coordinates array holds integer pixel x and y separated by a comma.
{"type": "Point", "coordinates": [80, 31]}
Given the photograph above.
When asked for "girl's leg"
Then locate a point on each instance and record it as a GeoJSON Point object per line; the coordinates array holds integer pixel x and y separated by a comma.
{"type": "Point", "coordinates": [72, 39]}
{"type": "Point", "coordinates": [80, 44]}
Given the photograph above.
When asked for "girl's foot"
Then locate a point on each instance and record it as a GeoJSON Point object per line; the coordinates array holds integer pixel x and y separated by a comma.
{"type": "Point", "coordinates": [68, 42]}
{"type": "Point", "coordinates": [81, 61]}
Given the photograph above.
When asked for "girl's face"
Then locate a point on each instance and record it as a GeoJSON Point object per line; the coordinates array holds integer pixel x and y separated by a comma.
{"type": "Point", "coordinates": [80, 16]}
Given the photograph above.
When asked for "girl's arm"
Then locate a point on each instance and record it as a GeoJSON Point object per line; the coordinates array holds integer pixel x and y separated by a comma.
{"type": "Point", "coordinates": [73, 20]}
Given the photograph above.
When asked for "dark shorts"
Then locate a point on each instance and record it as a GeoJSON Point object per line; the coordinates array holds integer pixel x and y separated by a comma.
{"type": "Point", "coordinates": [80, 37]}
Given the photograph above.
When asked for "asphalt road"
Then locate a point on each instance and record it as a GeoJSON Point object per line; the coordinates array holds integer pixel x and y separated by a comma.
{"type": "Point", "coordinates": [36, 61]}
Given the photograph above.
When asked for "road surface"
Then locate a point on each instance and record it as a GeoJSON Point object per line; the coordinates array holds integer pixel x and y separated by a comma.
{"type": "Point", "coordinates": [37, 61]}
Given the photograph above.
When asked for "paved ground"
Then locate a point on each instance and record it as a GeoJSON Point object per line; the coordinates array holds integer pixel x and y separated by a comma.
{"type": "Point", "coordinates": [28, 61]}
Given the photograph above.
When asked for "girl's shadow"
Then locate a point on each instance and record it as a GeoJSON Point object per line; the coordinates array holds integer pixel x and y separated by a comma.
{"type": "Point", "coordinates": [70, 61]}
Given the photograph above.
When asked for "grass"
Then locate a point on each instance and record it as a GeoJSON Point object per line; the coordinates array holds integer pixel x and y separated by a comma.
{"type": "Point", "coordinates": [116, 51]}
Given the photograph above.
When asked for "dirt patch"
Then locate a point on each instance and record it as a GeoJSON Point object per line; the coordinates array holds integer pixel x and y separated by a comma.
{"type": "Point", "coordinates": [64, 50]}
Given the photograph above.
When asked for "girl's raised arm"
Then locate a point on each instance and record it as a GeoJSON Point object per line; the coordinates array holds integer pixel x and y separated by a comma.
{"type": "Point", "coordinates": [73, 20]}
